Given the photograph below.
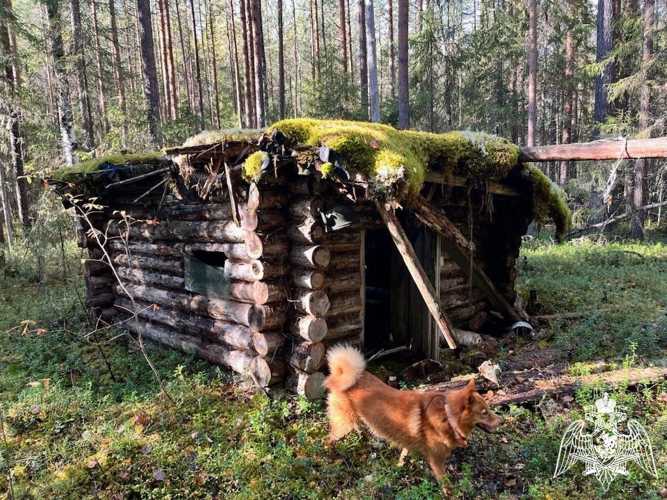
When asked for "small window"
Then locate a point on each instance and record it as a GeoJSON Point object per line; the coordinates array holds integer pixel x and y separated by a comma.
{"type": "Point", "coordinates": [205, 274]}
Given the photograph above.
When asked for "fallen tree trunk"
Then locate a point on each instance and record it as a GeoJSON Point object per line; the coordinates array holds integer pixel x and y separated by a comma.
{"type": "Point", "coordinates": [519, 387]}
{"type": "Point", "coordinates": [597, 150]}
{"type": "Point", "coordinates": [310, 385]}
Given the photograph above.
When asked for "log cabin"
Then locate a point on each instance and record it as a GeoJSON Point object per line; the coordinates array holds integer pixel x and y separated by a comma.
{"type": "Point", "coordinates": [257, 250]}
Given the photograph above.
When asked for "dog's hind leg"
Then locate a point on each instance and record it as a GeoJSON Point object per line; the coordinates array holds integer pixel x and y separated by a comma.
{"type": "Point", "coordinates": [342, 418]}
{"type": "Point", "coordinates": [401, 459]}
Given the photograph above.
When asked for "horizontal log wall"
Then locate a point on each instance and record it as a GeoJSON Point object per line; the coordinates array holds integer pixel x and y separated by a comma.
{"type": "Point", "coordinates": [148, 245]}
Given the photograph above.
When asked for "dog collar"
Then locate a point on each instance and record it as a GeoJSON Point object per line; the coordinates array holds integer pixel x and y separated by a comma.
{"type": "Point", "coordinates": [457, 434]}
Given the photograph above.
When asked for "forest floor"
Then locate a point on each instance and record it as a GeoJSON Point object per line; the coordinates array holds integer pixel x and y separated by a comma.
{"type": "Point", "coordinates": [75, 428]}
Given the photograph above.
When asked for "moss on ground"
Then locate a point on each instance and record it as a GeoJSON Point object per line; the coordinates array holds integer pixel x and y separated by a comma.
{"type": "Point", "coordinates": [395, 161]}
{"type": "Point", "coordinates": [549, 201]}
{"type": "Point", "coordinates": [69, 174]}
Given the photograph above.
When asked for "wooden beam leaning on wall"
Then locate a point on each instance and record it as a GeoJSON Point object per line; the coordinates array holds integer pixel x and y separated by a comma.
{"type": "Point", "coordinates": [425, 287]}
{"type": "Point", "coordinates": [458, 248]}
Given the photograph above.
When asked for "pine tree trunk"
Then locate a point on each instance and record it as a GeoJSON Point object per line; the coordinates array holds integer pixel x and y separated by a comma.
{"type": "Point", "coordinates": [173, 87]}
{"type": "Point", "coordinates": [403, 97]}
{"type": "Point", "coordinates": [281, 62]}
{"type": "Point", "coordinates": [257, 51]}
{"type": "Point", "coordinates": [312, 40]}
{"type": "Point", "coordinates": [200, 93]}
{"type": "Point", "coordinates": [247, 81]}
{"type": "Point", "coordinates": [149, 70]}
{"type": "Point", "coordinates": [372, 62]}
{"type": "Point", "coordinates": [297, 64]}
{"type": "Point", "coordinates": [13, 125]}
{"type": "Point", "coordinates": [605, 43]}
{"type": "Point", "coordinates": [239, 99]}
{"type": "Point", "coordinates": [565, 166]}
{"type": "Point", "coordinates": [265, 91]}
{"type": "Point", "coordinates": [216, 97]}
{"type": "Point", "coordinates": [342, 33]}
{"type": "Point", "coordinates": [349, 36]}
{"type": "Point", "coordinates": [185, 53]}
{"type": "Point", "coordinates": [363, 59]}
{"type": "Point", "coordinates": [639, 194]}
{"type": "Point", "coordinates": [6, 208]}
{"type": "Point", "coordinates": [66, 120]}
{"type": "Point", "coordinates": [532, 72]}
{"type": "Point", "coordinates": [316, 21]}
{"type": "Point", "coordinates": [117, 68]}
{"type": "Point", "coordinates": [100, 69]}
{"type": "Point", "coordinates": [392, 55]}
{"type": "Point", "coordinates": [81, 79]}
{"type": "Point", "coordinates": [164, 68]}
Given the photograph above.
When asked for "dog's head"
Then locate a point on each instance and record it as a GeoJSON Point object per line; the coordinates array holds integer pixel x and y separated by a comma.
{"type": "Point", "coordinates": [469, 410]}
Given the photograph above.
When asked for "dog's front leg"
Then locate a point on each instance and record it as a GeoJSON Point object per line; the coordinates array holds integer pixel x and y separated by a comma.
{"type": "Point", "coordinates": [437, 463]}
{"type": "Point", "coordinates": [401, 459]}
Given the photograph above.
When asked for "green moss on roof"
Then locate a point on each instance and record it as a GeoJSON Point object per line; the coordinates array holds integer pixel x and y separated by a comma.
{"type": "Point", "coordinates": [395, 161]}
{"type": "Point", "coordinates": [217, 136]}
{"type": "Point", "coordinates": [69, 174]}
{"type": "Point", "coordinates": [252, 167]}
{"type": "Point", "coordinates": [549, 201]}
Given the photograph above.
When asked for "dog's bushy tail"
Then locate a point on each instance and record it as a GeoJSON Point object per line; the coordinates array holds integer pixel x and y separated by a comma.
{"type": "Point", "coordinates": [346, 363]}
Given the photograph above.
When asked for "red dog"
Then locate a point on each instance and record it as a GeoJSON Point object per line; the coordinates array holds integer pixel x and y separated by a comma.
{"type": "Point", "coordinates": [430, 423]}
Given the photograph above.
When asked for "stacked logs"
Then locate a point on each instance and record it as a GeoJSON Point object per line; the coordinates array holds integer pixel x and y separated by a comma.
{"type": "Point", "coordinates": [308, 301]}
{"type": "Point", "coordinates": [242, 331]}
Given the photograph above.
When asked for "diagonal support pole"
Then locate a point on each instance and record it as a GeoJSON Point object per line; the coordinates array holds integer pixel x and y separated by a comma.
{"type": "Point", "coordinates": [458, 248]}
{"type": "Point", "coordinates": [418, 274]}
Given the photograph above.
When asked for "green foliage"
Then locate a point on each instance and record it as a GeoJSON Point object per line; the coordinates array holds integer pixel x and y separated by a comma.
{"type": "Point", "coordinates": [619, 285]}
{"type": "Point", "coordinates": [252, 166]}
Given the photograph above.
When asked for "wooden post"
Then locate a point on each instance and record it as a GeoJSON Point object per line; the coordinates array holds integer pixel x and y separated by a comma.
{"type": "Point", "coordinates": [458, 248]}
{"type": "Point", "coordinates": [417, 272]}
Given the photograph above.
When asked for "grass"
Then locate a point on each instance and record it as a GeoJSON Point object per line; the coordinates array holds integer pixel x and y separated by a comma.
{"type": "Point", "coordinates": [72, 432]}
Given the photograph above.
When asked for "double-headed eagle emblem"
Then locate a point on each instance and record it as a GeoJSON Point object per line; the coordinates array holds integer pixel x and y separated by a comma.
{"type": "Point", "coordinates": [605, 452]}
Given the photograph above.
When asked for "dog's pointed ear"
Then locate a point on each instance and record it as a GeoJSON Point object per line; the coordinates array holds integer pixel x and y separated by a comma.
{"type": "Point", "coordinates": [471, 392]}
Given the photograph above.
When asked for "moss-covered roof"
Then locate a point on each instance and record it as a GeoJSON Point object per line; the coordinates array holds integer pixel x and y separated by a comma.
{"type": "Point", "coordinates": [75, 172]}
{"type": "Point", "coordinates": [395, 161]}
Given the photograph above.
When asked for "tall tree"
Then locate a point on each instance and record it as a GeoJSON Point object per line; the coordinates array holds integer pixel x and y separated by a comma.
{"type": "Point", "coordinates": [200, 93]}
{"type": "Point", "coordinates": [66, 119]}
{"type": "Point", "coordinates": [247, 82]}
{"type": "Point", "coordinates": [392, 55]}
{"type": "Point", "coordinates": [216, 97]}
{"type": "Point", "coordinates": [151, 89]}
{"type": "Point", "coordinates": [605, 44]}
{"type": "Point", "coordinates": [403, 96]}
{"type": "Point", "coordinates": [257, 51]}
{"type": "Point", "coordinates": [170, 63]}
{"type": "Point", "coordinates": [639, 194]}
{"type": "Point", "coordinates": [117, 68]}
{"type": "Point", "coordinates": [342, 33]}
{"type": "Point", "coordinates": [164, 65]}
{"type": "Point", "coordinates": [363, 59]}
{"type": "Point", "coordinates": [13, 118]}
{"type": "Point", "coordinates": [372, 62]}
{"type": "Point", "coordinates": [569, 88]}
{"type": "Point", "coordinates": [101, 88]}
{"type": "Point", "coordinates": [80, 73]}
{"type": "Point", "coordinates": [237, 72]}
{"type": "Point", "coordinates": [532, 72]}
{"type": "Point", "coordinates": [281, 62]}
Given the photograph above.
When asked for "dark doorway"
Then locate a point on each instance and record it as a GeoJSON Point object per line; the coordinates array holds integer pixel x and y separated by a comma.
{"type": "Point", "coordinates": [395, 310]}
{"type": "Point", "coordinates": [378, 259]}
